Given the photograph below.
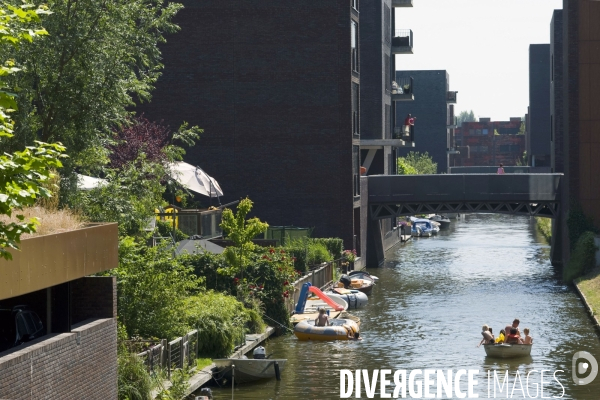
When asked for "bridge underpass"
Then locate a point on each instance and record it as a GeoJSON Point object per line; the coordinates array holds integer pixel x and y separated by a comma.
{"type": "Point", "coordinates": [391, 196]}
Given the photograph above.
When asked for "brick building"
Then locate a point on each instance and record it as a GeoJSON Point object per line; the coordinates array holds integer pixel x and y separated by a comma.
{"type": "Point", "coordinates": [278, 88]}
{"type": "Point", "coordinates": [76, 356]}
{"type": "Point", "coordinates": [489, 143]}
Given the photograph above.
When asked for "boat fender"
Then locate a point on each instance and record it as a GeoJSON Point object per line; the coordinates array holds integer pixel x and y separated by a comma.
{"type": "Point", "coordinates": [277, 372]}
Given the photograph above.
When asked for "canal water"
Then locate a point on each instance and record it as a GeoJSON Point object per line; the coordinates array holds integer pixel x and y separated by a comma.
{"type": "Point", "coordinates": [426, 312]}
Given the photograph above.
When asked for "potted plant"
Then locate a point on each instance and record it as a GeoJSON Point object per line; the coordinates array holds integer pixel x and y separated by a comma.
{"type": "Point", "coordinates": [406, 89]}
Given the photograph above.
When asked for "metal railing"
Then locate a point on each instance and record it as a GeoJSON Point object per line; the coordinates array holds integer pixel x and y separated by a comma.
{"type": "Point", "coordinates": [403, 38]}
{"type": "Point", "coordinates": [195, 222]}
{"type": "Point", "coordinates": [405, 86]}
{"type": "Point", "coordinates": [177, 353]}
{"type": "Point", "coordinates": [451, 96]}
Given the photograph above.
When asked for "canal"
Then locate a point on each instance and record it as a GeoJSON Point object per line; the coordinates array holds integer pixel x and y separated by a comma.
{"type": "Point", "coordinates": [427, 310]}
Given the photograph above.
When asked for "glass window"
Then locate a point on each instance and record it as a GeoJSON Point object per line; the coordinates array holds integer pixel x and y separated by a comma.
{"type": "Point", "coordinates": [354, 45]}
{"type": "Point", "coordinates": [355, 4]}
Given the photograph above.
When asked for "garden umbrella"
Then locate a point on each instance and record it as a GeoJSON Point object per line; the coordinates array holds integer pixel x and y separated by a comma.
{"type": "Point", "coordinates": [195, 179]}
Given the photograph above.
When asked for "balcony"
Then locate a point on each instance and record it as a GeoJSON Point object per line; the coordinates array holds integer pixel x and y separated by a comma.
{"type": "Point", "coordinates": [402, 3]}
{"type": "Point", "coordinates": [402, 42]}
{"type": "Point", "coordinates": [50, 260]}
{"type": "Point", "coordinates": [451, 97]}
{"type": "Point", "coordinates": [381, 143]}
{"type": "Point", "coordinates": [453, 124]}
{"type": "Point", "coordinates": [402, 90]}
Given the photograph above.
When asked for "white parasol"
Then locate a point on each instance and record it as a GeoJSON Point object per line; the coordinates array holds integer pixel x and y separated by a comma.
{"type": "Point", "coordinates": [195, 179]}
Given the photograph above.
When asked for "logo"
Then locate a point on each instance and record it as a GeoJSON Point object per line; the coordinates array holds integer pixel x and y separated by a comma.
{"type": "Point", "coordinates": [590, 367]}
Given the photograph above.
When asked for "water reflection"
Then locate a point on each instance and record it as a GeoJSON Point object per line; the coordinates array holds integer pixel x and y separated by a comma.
{"type": "Point", "coordinates": [433, 297]}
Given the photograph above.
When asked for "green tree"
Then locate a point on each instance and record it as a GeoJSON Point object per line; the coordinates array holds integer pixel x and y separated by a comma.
{"type": "Point", "coordinates": [241, 232]}
{"type": "Point", "coordinates": [24, 172]}
{"type": "Point", "coordinates": [416, 163]}
{"type": "Point", "coordinates": [101, 56]}
{"type": "Point", "coordinates": [465, 116]}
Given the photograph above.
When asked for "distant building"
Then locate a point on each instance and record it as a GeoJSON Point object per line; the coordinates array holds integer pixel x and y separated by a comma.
{"type": "Point", "coordinates": [433, 107]}
{"type": "Point", "coordinates": [539, 132]}
{"type": "Point", "coordinates": [489, 143]}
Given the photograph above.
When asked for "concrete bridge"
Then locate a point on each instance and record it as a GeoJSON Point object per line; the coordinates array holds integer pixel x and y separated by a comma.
{"type": "Point", "coordinates": [393, 196]}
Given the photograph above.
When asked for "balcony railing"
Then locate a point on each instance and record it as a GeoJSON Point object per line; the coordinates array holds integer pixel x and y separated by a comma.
{"type": "Point", "coordinates": [402, 42]}
{"type": "Point", "coordinates": [402, 90]}
{"type": "Point", "coordinates": [452, 123]}
{"type": "Point", "coordinates": [402, 3]}
{"type": "Point", "coordinates": [451, 97]}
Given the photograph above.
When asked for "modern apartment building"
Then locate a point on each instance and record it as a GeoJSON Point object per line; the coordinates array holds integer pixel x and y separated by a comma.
{"type": "Point", "coordinates": [556, 92]}
{"type": "Point", "coordinates": [539, 129]}
{"type": "Point", "coordinates": [278, 89]}
{"type": "Point", "coordinates": [434, 108]}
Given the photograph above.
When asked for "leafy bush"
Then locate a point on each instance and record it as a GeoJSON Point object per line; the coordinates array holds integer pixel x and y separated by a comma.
{"type": "Point", "coordinates": [544, 226]}
{"type": "Point", "coordinates": [165, 229]}
{"type": "Point", "coordinates": [317, 253]}
{"type": "Point", "coordinates": [152, 290]}
{"type": "Point", "coordinates": [134, 382]}
{"type": "Point", "coordinates": [578, 223]}
{"type": "Point", "coordinates": [583, 258]}
{"type": "Point", "coordinates": [334, 246]}
{"type": "Point", "coordinates": [220, 320]}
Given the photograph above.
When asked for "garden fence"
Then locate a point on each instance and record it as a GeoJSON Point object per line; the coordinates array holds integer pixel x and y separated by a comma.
{"type": "Point", "coordinates": [177, 353]}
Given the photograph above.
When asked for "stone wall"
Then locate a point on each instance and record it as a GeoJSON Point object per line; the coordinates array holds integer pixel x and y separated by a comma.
{"type": "Point", "coordinates": [81, 364]}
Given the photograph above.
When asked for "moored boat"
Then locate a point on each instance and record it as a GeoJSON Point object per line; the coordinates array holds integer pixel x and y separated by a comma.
{"type": "Point", "coordinates": [442, 220]}
{"type": "Point", "coordinates": [364, 285]}
{"type": "Point", "coordinates": [362, 275]}
{"type": "Point", "coordinates": [353, 298]}
{"type": "Point", "coordinates": [248, 370]}
{"type": "Point", "coordinates": [341, 329]}
{"type": "Point", "coordinates": [423, 228]}
{"type": "Point", "coordinates": [507, 350]}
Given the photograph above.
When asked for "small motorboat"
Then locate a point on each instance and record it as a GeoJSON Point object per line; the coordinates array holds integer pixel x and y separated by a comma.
{"type": "Point", "coordinates": [364, 285]}
{"type": "Point", "coordinates": [507, 350]}
{"type": "Point", "coordinates": [244, 370]}
{"type": "Point", "coordinates": [442, 220]}
{"type": "Point", "coordinates": [353, 298]}
{"type": "Point", "coordinates": [423, 228]}
{"type": "Point", "coordinates": [340, 329]}
{"type": "Point", "coordinates": [362, 275]}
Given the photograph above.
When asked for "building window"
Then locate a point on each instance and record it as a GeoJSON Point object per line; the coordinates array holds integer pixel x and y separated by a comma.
{"type": "Point", "coordinates": [387, 122]}
{"type": "Point", "coordinates": [386, 65]}
{"type": "Point", "coordinates": [354, 45]}
{"type": "Point", "coordinates": [356, 170]}
{"type": "Point", "coordinates": [387, 24]}
{"type": "Point", "coordinates": [355, 110]}
{"type": "Point", "coordinates": [355, 4]}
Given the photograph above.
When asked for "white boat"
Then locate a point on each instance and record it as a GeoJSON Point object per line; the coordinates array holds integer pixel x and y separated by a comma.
{"type": "Point", "coordinates": [353, 298]}
{"type": "Point", "coordinates": [248, 370]}
{"type": "Point", "coordinates": [362, 275]}
{"type": "Point", "coordinates": [507, 350]}
{"type": "Point", "coordinates": [441, 219]}
{"type": "Point", "coordinates": [424, 228]}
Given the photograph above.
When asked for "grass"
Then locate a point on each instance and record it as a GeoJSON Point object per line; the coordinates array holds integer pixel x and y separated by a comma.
{"type": "Point", "coordinates": [51, 221]}
{"type": "Point", "coordinates": [203, 362]}
{"type": "Point", "coordinates": [544, 226]}
{"type": "Point", "coordinates": [590, 287]}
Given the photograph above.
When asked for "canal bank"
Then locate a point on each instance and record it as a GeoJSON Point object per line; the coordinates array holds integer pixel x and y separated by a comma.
{"type": "Point", "coordinates": [433, 296]}
{"type": "Point", "coordinates": [588, 288]}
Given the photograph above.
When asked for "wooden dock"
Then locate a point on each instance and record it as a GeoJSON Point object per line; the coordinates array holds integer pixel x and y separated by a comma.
{"type": "Point", "coordinates": [203, 376]}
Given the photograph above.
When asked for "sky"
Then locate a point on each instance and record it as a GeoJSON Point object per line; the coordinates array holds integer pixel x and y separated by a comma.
{"type": "Point", "coordinates": [484, 46]}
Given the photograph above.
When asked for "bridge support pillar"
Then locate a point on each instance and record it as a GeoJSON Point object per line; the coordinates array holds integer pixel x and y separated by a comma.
{"type": "Point", "coordinates": [375, 252]}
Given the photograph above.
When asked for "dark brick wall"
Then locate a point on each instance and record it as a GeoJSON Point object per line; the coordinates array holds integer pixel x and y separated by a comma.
{"type": "Point", "coordinates": [93, 297]}
{"type": "Point", "coordinates": [539, 105]}
{"type": "Point", "coordinates": [431, 110]}
{"type": "Point", "coordinates": [81, 364]}
{"type": "Point", "coordinates": [270, 82]}
{"type": "Point", "coordinates": [556, 90]}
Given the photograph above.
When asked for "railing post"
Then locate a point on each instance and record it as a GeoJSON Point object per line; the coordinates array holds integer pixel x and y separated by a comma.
{"type": "Point", "coordinates": [169, 351]}
{"type": "Point", "coordinates": [163, 353]}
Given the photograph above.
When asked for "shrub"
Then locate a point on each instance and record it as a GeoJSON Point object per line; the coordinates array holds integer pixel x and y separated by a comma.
{"type": "Point", "coordinates": [165, 229]}
{"type": "Point", "coordinates": [334, 246]}
{"type": "Point", "coordinates": [220, 320]}
{"type": "Point", "coordinates": [544, 226]}
{"type": "Point", "coordinates": [578, 223]}
{"type": "Point", "coordinates": [583, 258]}
{"type": "Point", "coordinates": [317, 253]}
{"type": "Point", "coordinates": [134, 382]}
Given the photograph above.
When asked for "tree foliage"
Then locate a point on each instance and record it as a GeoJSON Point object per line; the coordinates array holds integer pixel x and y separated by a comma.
{"type": "Point", "coordinates": [465, 116]}
{"type": "Point", "coordinates": [24, 172]}
{"type": "Point", "coordinates": [241, 232]}
{"type": "Point", "coordinates": [416, 163]}
{"type": "Point", "coordinates": [101, 55]}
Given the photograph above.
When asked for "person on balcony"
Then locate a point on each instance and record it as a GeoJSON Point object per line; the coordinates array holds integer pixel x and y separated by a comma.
{"type": "Point", "coordinates": [501, 169]}
{"type": "Point", "coordinates": [409, 126]}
